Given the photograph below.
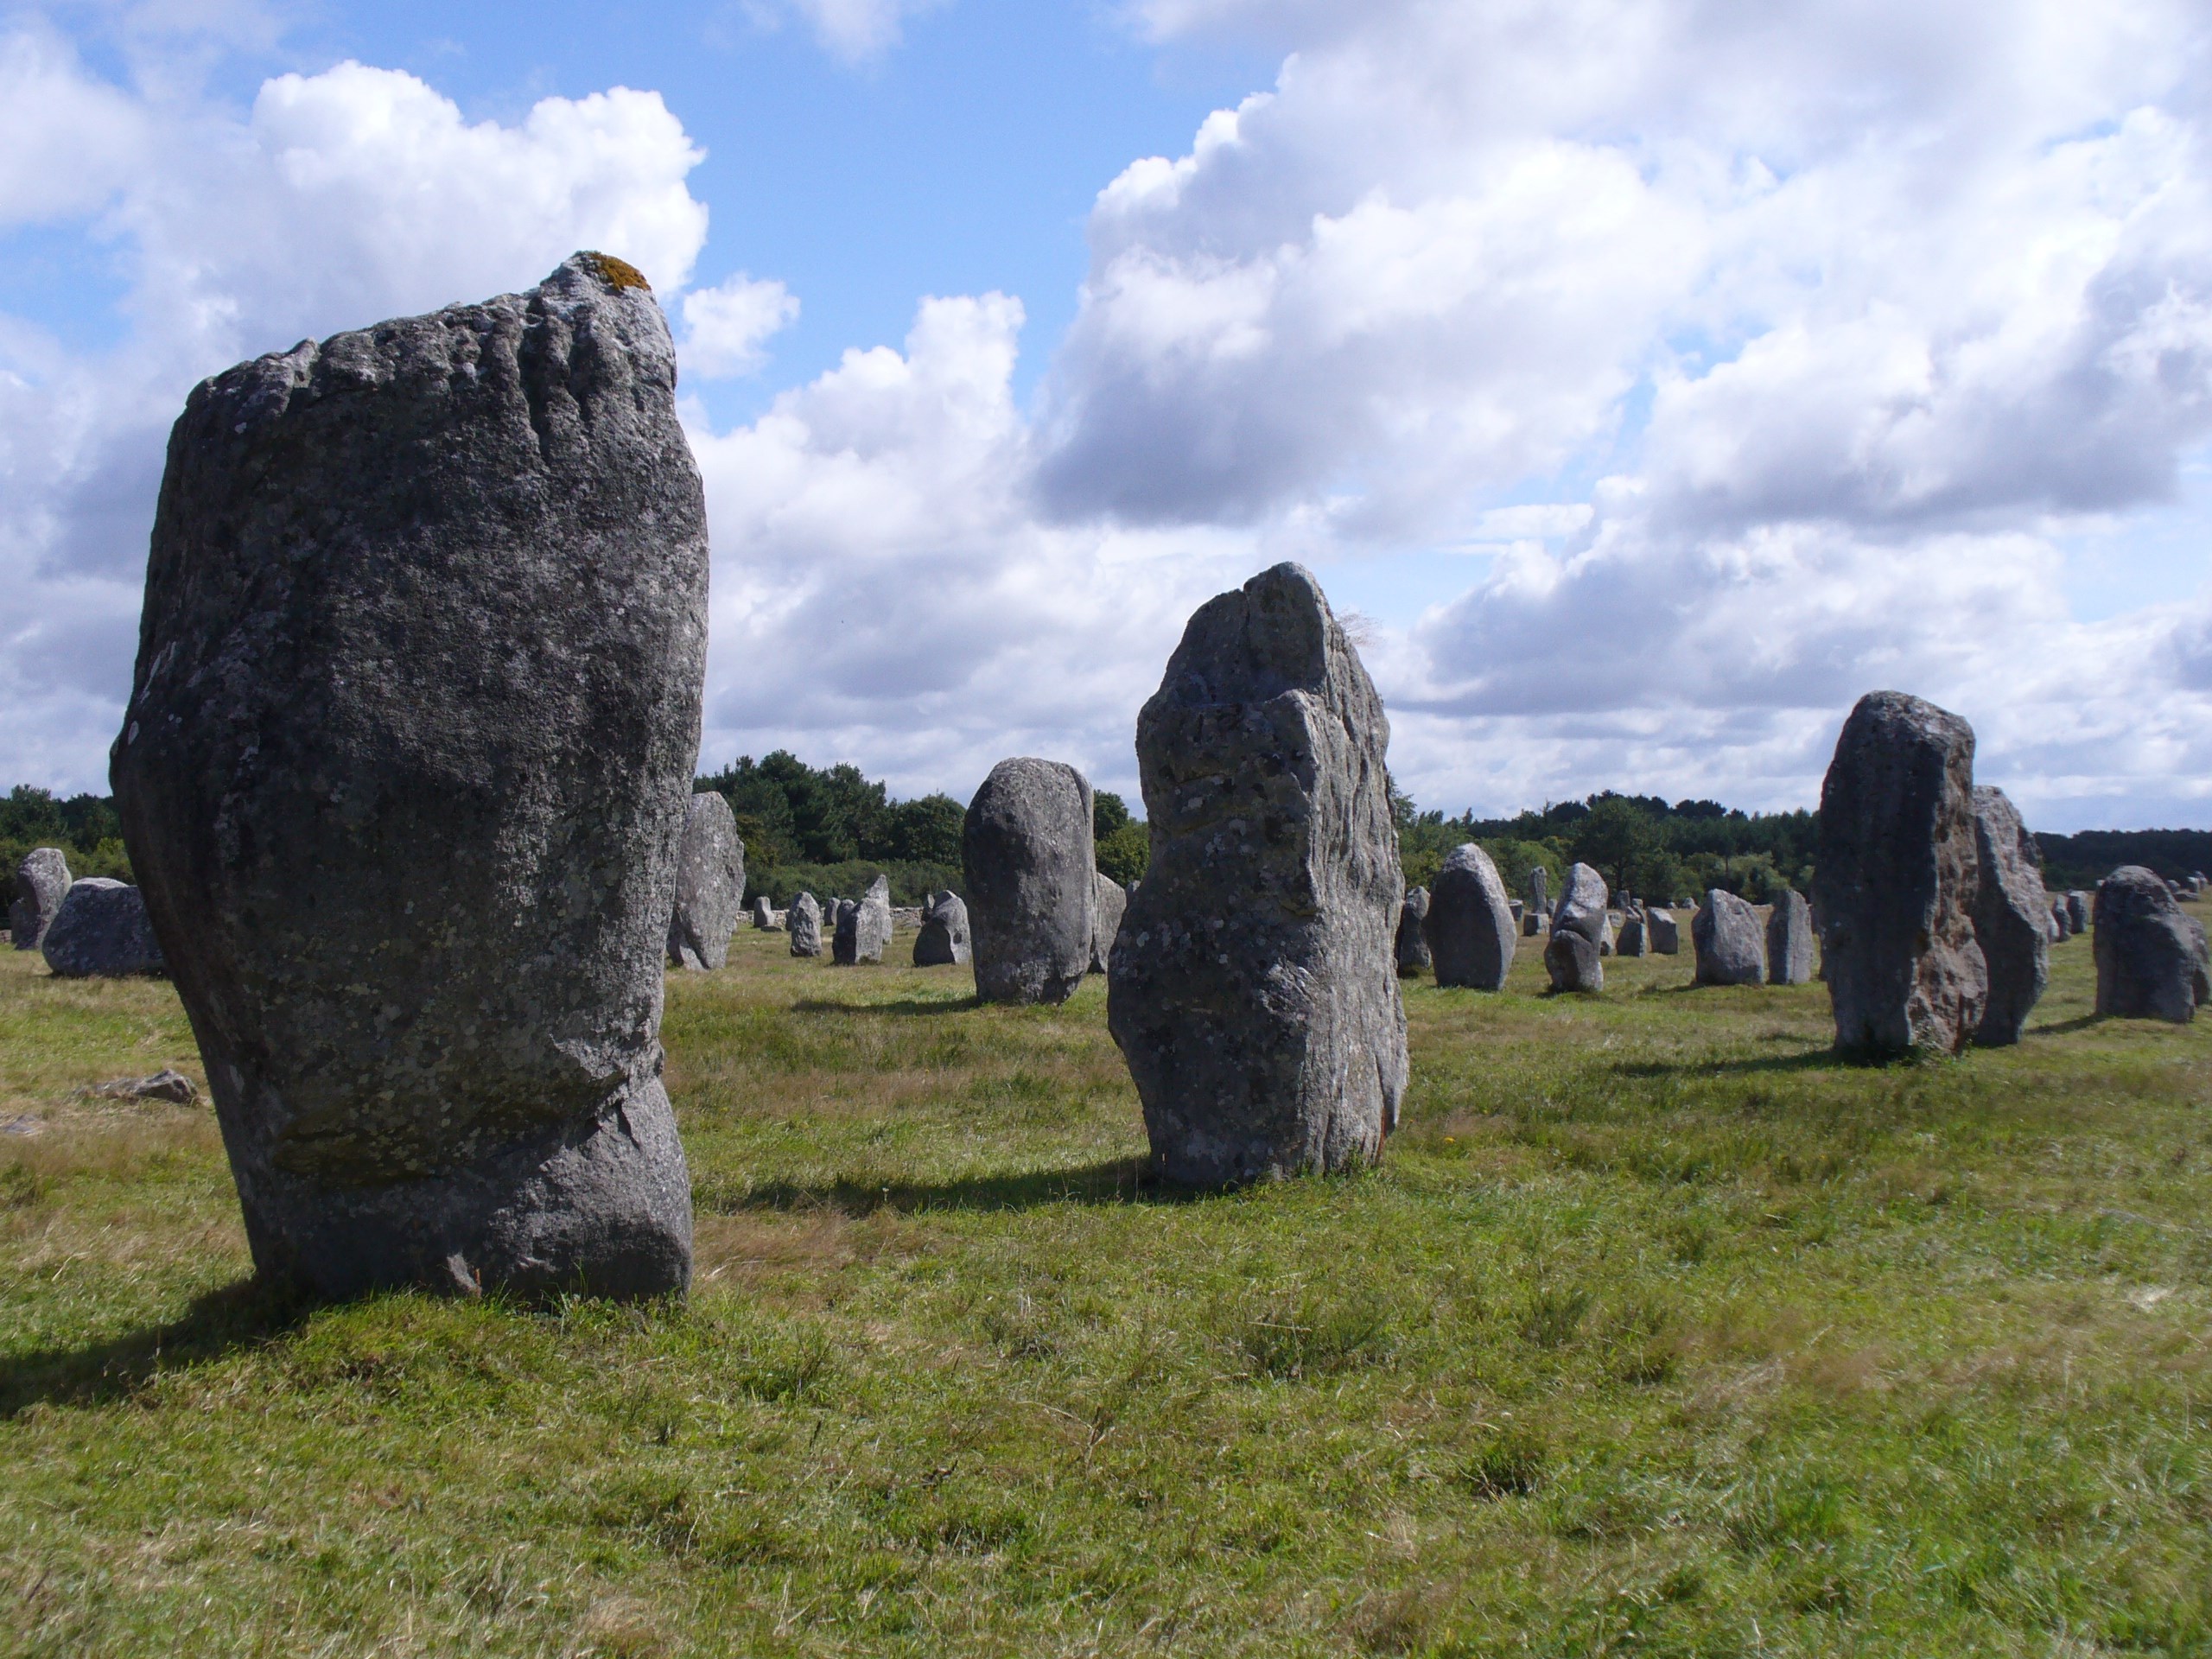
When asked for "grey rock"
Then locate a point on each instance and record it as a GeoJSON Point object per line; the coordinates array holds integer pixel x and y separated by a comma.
{"type": "Point", "coordinates": [103, 932]}
{"type": "Point", "coordinates": [2149, 956]}
{"type": "Point", "coordinates": [764, 914]}
{"type": "Point", "coordinates": [1571, 961]}
{"type": "Point", "coordinates": [41, 883]}
{"type": "Point", "coordinates": [166, 1084]}
{"type": "Point", "coordinates": [2011, 918]}
{"type": "Point", "coordinates": [1581, 905]}
{"type": "Point", "coordinates": [1730, 944]}
{"type": "Point", "coordinates": [1666, 933]}
{"type": "Point", "coordinates": [709, 886]}
{"type": "Point", "coordinates": [404, 773]}
{"type": "Point", "coordinates": [1895, 878]}
{"type": "Point", "coordinates": [1253, 991]}
{"type": "Point", "coordinates": [1789, 940]}
{"type": "Point", "coordinates": [1469, 923]}
{"type": "Point", "coordinates": [863, 926]}
{"type": "Point", "coordinates": [1413, 944]}
{"type": "Point", "coordinates": [1111, 903]}
{"type": "Point", "coordinates": [803, 921]}
{"type": "Point", "coordinates": [2077, 910]}
{"type": "Point", "coordinates": [1540, 900]}
{"type": "Point", "coordinates": [1606, 937]}
{"type": "Point", "coordinates": [2061, 920]}
{"type": "Point", "coordinates": [1633, 940]}
{"type": "Point", "coordinates": [1025, 852]}
{"type": "Point", "coordinates": [1533, 923]}
{"type": "Point", "coordinates": [942, 939]}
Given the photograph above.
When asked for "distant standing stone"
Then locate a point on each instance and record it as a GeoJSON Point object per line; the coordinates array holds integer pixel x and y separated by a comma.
{"type": "Point", "coordinates": [1540, 890]}
{"type": "Point", "coordinates": [1112, 901]}
{"type": "Point", "coordinates": [709, 885]}
{"type": "Point", "coordinates": [405, 773]}
{"type": "Point", "coordinates": [2011, 918]}
{"type": "Point", "coordinates": [1633, 940]}
{"type": "Point", "coordinates": [1895, 878]}
{"type": "Point", "coordinates": [2149, 960]}
{"type": "Point", "coordinates": [803, 921]}
{"type": "Point", "coordinates": [1665, 931]}
{"type": "Point", "coordinates": [2077, 911]}
{"type": "Point", "coordinates": [1789, 940]}
{"type": "Point", "coordinates": [1581, 905]}
{"type": "Point", "coordinates": [1026, 854]}
{"type": "Point", "coordinates": [863, 926]}
{"type": "Point", "coordinates": [103, 932]}
{"type": "Point", "coordinates": [1572, 960]}
{"type": "Point", "coordinates": [764, 914]}
{"type": "Point", "coordinates": [1730, 944]}
{"type": "Point", "coordinates": [1470, 922]}
{"type": "Point", "coordinates": [41, 883]}
{"type": "Point", "coordinates": [2061, 920]}
{"type": "Point", "coordinates": [1254, 991]}
{"type": "Point", "coordinates": [941, 939]}
{"type": "Point", "coordinates": [1412, 946]}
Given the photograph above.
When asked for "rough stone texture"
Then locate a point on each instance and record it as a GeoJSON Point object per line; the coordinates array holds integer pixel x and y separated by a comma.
{"type": "Point", "coordinates": [1413, 944]}
{"type": "Point", "coordinates": [1469, 923]}
{"type": "Point", "coordinates": [1253, 991]}
{"type": "Point", "coordinates": [1895, 877]}
{"type": "Point", "coordinates": [1025, 852]}
{"type": "Point", "coordinates": [1666, 932]}
{"type": "Point", "coordinates": [2061, 921]}
{"type": "Point", "coordinates": [172, 1086]}
{"type": "Point", "coordinates": [1540, 900]}
{"type": "Point", "coordinates": [103, 932]}
{"type": "Point", "coordinates": [405, 773]}
{"type": "Point", "coordinates": [1112, 902]}
{"type": "Point", "coordinates": [2149, 960]}
{"type": "Point", "coordinates": [41, 883]}
{"type": "Point", "coordinates": [863, 926]}
{"type": "Point", "coordinates": [2077, 910]}
{"type": "Point", "coordinates": [1606, 937]}
{"type": "Point", "coordinates": [1573, 962]}
{"type": "Point", "coordinates": [764, 915]}
{"type": "Point", "coordinates": [2011, 918]}
{"type": "Point", "coordinates": [1533, 921]}
{"type": "Point", "coordinates": [709, 886]}
{"type": "Point", "coordinates": [1581, 907]}
{"type": "Point", "coordinates": [1789, 940]}
{"type": "Point", "coordinates": [1633, 940]}
{"type": "Point", "coordinates": [803, 921]}
{"type": "Point", "coordinates": [943, 939]}
{"type": "Point", "coordinates": [1730, 944]}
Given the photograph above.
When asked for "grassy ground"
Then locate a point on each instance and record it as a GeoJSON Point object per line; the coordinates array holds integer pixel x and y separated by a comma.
{"type": "Point", "coordinates": [1658, 1331]}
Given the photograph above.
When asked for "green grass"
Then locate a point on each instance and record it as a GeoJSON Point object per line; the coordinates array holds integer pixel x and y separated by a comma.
{"type": "Point", "coordinates": [1658, 1331]}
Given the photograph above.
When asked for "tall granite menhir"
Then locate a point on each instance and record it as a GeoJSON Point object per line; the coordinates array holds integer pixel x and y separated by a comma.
{"type": "Point", "coordinates": [1253, 989]}
{"type": "Point", "coordinates": [1028, 862]}
{"type": "Point", "coordinates": [405, 773]}
{"type": "Point", "coordinates": [2011, 917]}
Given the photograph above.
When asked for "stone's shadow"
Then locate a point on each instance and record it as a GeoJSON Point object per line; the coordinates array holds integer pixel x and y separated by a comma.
{"type": "Point", "coordinates": [905, 1008]}
{"type": "Point", "coordinates": [1812, 1062]}
{"type": "Point", "coordinates": [242, 1314]}
{"type": "Point", "coordinates": [2079, 1022]}
{"type": "Point", "coordinates": [1120, 1180]}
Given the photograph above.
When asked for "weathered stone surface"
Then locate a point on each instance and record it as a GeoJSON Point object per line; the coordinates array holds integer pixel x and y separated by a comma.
{"type": "Point", "coordinates": [1606, 937]}
{"type": "Point", "coordinates": [165, 1085]}
{"type": "Point", "coordinates": [1540, 900]}
{"type": "Point", "coordinates": [709, 885]}
{"type": "Point", "coordinates": [41, 883]}
{"type": "Point", "coordinates": [2150, 957]}
{"type": "Point", "coordinates": [803, 922]}
{"type": "Point", "coordinates": [103, 932]}
{"type": "Point", "coordinates": [405, 773]}
{"type": "Point", "coordinates": [764, 915]}
{"type": "Point", "coordinates": [1470, 922]}
{"type": "Point", "coordinates": [863, 926]}
{"type": "Point", "coordinates": [1730, 944]}
{"type": "Point", "coordinates": [1633, 940]}
{"type": "Point", "coordinates": [1789, 940]}
{"type": "Point", "coordinates": [1533, 921]}
{"type": "Point", "coordinates": [1112, 902]}
{"type": "Point", "coordinates": [2011, 917]}
{"type": "Point", "coordinates": [1666, 932]}
{"type": "Point", "coordinates": [1025, 852]}
{"type": "Point", "coordinates": [1573, 962]}
{"type": "Point", "coordinates": [1895, 877]}
{"type": "Point", "coordinates": [1581, 907]}
{"type": "Point", "coordinates": [2077, 910]}
{"type": "Point", "coordinates": [1253, 991]}
{"type": "Point", "coordinates": [2061, 920]}
{"type": "Point", "coordinates": [1413, 944]}
{"type": "Point", "coordinates": [943, 939]}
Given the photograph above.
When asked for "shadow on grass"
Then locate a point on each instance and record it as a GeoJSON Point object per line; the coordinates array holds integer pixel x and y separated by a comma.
{"type": "Point", "coordinates": [1121, 1180]}
{"type": "Point", "coordinates": [905, 1007]}
{"type": "Point", "coordinates": [1815, 1060]}
{"type": "Point", "coordinates": [243, 1314]}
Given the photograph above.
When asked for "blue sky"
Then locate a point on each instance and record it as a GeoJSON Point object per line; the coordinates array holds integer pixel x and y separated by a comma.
{"type": "Point", "coordinates": [1650, 379]}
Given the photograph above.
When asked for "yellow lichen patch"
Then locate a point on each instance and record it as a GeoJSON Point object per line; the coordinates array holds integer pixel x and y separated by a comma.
{"type": "Point", "coordinates": [618, 274]}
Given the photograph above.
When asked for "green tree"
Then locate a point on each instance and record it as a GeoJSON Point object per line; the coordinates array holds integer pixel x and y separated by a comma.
{"type": "Point", "coordinates": [1617, 838]}
{"type": "Point", "coordinates": [925, 830]}
{"type": "Point", "coordinates": [1125, 852]}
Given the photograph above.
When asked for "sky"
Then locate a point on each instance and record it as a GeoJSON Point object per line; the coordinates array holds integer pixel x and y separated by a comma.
{"type": "Point", "coordinates": [1645, 381]}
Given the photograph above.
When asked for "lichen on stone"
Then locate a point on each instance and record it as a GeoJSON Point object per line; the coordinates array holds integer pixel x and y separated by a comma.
{"type": "Point", "coordinates": [618, 274]}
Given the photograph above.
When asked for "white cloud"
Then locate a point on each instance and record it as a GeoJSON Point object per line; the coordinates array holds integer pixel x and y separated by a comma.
{"type": "Point", "coordinates": [726, 328]}
{"type": "Point", "coordinates": [855, 31]}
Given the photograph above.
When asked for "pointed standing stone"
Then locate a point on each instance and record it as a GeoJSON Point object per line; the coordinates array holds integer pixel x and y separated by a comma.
{"type": "Point", "coordinates": [1026, 854]}
{"type": "Point", "coordinates": [1789, 940]}
{"type": "Point", "coordinates": [41, 883]}
{"type": "Point", "coordinates": [1111, 902]}
{"type": "Point", "coordinates": [942, 940]}
{"type": "Point", "coordinates": [1470, 923]}
{"type": "Point", "coordinates": [1582, 905]}
{"type": "Point", "coordinates": [710, 883]}
{"type": "Point", "coordinates": [804, 923]}
{"type": "Point", "coordinates": [2011, 918]}
{"type": "Point", "coordinates": [863, 926]}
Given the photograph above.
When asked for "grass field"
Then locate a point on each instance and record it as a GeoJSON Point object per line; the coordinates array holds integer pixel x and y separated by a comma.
{"type": "Point", "coordinates": [1658, 1331]}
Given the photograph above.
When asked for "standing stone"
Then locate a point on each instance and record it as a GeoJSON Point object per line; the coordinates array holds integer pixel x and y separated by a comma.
{"type": "Point", "coordinates": [1581, 905]}
{"type": "Point", "coordinates": [1254, 992]}
{"type": "Point", "coordinates": [1730, 944]}
{"type": "Point", "coordinates": [1469, 923]}
{"type": "Point", "coordinates": [2011, 917]}
{"type": "Point", "coordinates": [102, 932]}
{"type": "Point", "coordinates": [764, 914]}
{"type": "Point", "coordinates": [1895, 877]}
{"type": "Point", "coordinates": [2077, 911]}
{"type": "Point", "coordinates": [1632, 941]}
{"type": "Point", "coordinates": [1026, 851]}
{"type": "Point", "coordinates": [1413, 944]}
{"type": "Point", "coordinates": [1789, 940]}
{"type": "Point", "coordinates": [1665, 931]}
{"type": "Point", "coordinates": [863, 926]}
{"type": "Point", "coordinates": [41, 883]}
{"type": "Point", "coordinates": [2061, 921]}
{"type": "Point", "coordinates": [1111, 901]}
{"type": "Point", "coordinates": [1572, 960]}
{"type": "Point", "coordinates": [1540, 901]}
{"type": "Point", "coordinates": [405, 772]}
{"type": "Point", "coordinates": [2150, 961]}
{"type": "Point", "coordinates": [709, 884]}
{"type": "Point", "coordinates": [943, 938]}
{"type": "Point", "coordinates": [803, 921]}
